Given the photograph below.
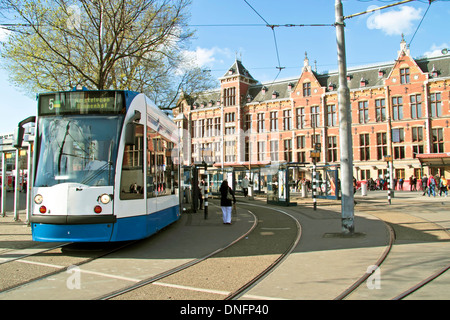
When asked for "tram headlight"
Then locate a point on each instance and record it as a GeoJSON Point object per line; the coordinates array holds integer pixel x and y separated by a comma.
{"type": "Point", "coordinates": [104, 198]}
{"type": "Point", "coordinates": [38, 199]}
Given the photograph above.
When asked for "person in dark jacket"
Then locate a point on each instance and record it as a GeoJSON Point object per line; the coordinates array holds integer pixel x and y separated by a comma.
{"type": "Point", "coordinates": [226, 201]}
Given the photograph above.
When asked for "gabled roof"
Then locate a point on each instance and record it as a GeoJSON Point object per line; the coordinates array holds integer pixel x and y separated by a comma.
{"type": "Point", "coordinates": [238, 69]}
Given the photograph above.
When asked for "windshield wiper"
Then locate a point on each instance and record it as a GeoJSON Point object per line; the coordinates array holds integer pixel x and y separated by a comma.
{"type": "Point", "coordinates": [62, 148]}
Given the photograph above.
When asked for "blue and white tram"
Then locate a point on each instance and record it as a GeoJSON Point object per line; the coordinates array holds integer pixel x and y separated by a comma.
{"type": "Point", "coordinates": [106, 167]}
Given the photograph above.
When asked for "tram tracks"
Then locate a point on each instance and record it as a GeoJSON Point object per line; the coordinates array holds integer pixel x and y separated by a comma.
{"type": "Point", "coordinates": [37, 264]}
{"type": "Point", "coordinates": [226, 273]}
{"type": "Point", "coordinates": [410, 262]}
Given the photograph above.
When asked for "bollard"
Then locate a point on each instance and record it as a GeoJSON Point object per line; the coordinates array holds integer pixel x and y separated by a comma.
{"type": "Point", "coordinates": [205, 209]}
{"type": "Point", "coordinates": [364, 188]}
{"type": "Point", "coordinates": [314, 186]}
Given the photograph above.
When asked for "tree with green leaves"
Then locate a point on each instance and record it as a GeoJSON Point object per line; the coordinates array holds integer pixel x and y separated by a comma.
{"type": "Point", "coordinates": [101, 44]}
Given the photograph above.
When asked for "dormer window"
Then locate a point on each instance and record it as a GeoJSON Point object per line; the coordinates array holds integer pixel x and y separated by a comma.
{"type": "Point", "coordinates": [349, 77]}
{"type": "Point", "coordinates": [363, 82]}
{"type": "Point", "coordinates": [434, 72]}
{"type": "Point", "coordinates": [275, 95]}
{"type": "Point", "coordinates": [380, 73]}
{"type": "Point", "coordinates": [231, 71]}
{"type": "Point", "coordinates": [264, 90]}
{"type": "Point", "coordinates": [331, 86]}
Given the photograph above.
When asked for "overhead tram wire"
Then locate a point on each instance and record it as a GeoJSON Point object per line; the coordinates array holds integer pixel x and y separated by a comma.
{"type": "Point", "coordinates": [279, 67]}
{"type": "Point", "coordinates": [420, 23]}
{"type": "Point", "coordinates": [273, 26]}
{"type": "Point", "coordinates": [286, 25]}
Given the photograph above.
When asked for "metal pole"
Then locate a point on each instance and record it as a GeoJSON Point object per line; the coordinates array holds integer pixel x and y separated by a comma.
{"type": "Point", "coordinates": [345, 126]}
{"type": "Point", "coordinates": [389, 179]}
{"type": "Point", "coordinates": [29, 182]}
{"type": "Point", "coordinates": [391, 187]}
{"type": "Point", "coordinates": [17, 186]}
{"type": "Point", "coordinates": [314, 186]}
{"type": "Point", "coordinates": [206, 203]}
{"type": "Point", "coordinates": [4, 184]}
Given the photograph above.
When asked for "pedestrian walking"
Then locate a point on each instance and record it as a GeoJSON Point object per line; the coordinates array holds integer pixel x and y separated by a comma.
{"type": "Point", "coordinates": [424, 184]}
{"type": "Point", "coordinates": [431, 186]}
{"type": "Point", "coordinates": [443, 186]}
{"type": "Point", "coordinates": [226, 201]}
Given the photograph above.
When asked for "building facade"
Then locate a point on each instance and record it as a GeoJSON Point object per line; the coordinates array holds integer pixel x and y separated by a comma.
{"type": "Point", "coordinates": [399, 109]}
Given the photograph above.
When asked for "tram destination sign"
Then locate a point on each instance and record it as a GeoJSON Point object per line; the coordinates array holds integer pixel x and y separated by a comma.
{"type": "Point", "coordinates": [81, 102]}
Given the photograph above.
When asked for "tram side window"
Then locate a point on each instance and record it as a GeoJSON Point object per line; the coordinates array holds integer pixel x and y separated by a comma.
{"type": "Point", "coordinates": [162, 173]}
{"type": "Point", "coordinates": [152, 147]}
{"type": "Point", "coordinates": [132, 180]}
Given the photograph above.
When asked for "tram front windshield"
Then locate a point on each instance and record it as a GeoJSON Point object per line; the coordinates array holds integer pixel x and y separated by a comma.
{"type": "Point", "coordinates": [77, 149]}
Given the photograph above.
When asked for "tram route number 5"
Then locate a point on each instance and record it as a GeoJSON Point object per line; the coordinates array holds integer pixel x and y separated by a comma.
{"type": "Point", "coordinates": [74, 280]}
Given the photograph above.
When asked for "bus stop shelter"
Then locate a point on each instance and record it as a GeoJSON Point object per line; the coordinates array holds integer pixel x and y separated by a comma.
{"type": "Point", "coordinates": [18, 177]}
{"type": "Point", "coordinates": [435, 162]}
{"type": "Point", "coordinates": [280, 182]}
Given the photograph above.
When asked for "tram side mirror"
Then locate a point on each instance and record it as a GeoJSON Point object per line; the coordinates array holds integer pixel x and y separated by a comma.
{"type": "Point", "coordinates": [130, 134]}
{"type": "Point", "coordinates": [19, 132]}
{"type": "Point", "coordinates": [18, 137]}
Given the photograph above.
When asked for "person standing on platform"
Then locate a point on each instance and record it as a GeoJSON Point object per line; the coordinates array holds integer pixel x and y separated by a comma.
{"type": "Point", "coordinates": [226, 201]}
{"type": "Point", "coordinates": [245, 186]}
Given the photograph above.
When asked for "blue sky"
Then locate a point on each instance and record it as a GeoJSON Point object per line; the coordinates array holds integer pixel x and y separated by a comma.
{"type": "Point", "coordinates": [370, 38]}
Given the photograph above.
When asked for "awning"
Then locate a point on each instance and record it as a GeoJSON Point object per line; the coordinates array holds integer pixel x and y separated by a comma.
{"type": "Point", "coordinates": [434, 159]}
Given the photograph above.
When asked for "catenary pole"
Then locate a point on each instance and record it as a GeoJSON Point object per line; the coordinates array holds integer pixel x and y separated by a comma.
{"type": "Point", "coordinates": [345, 126]}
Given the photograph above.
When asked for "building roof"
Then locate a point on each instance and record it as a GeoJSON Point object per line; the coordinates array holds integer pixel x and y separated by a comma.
{"type": "Point", "coordinates": [360, 77]}
{"type": "Point", "coordinates": [238, 69]}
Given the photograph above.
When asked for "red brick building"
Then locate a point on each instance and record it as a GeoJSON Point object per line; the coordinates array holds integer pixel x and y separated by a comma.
{"type": "Point", "coordinates": [399, 108]}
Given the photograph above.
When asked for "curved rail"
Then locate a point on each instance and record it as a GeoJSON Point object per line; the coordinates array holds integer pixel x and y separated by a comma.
{"type": "Point", "coordinates": [59, 269]}
{"type": "Point", "coordinates": [364, 278]}
{"type": "Point", "coordinates": [238, 293]}
{"type": "Point", "coordinates": [421, 284]}
{"type": "Point", "coordinates": [242, 289]}
{"type": "Point", "coordinates": [384, 256]}
{"type": "Point", "coordinates": [178, 268]}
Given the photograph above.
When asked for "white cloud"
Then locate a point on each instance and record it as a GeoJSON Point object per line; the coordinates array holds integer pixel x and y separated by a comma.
{"type": "Point", "coordinates": [204, 57]}
{"type": "Point", "coordinates": [4, 34]}
{"type": "Point", "coordinates": [435, 50]}
{"type": "Point", "coordinates": [394, 22]}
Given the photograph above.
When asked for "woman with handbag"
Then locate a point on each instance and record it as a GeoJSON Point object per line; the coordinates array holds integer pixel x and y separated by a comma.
{"type": "Point", "coordinates": [226, 201]}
